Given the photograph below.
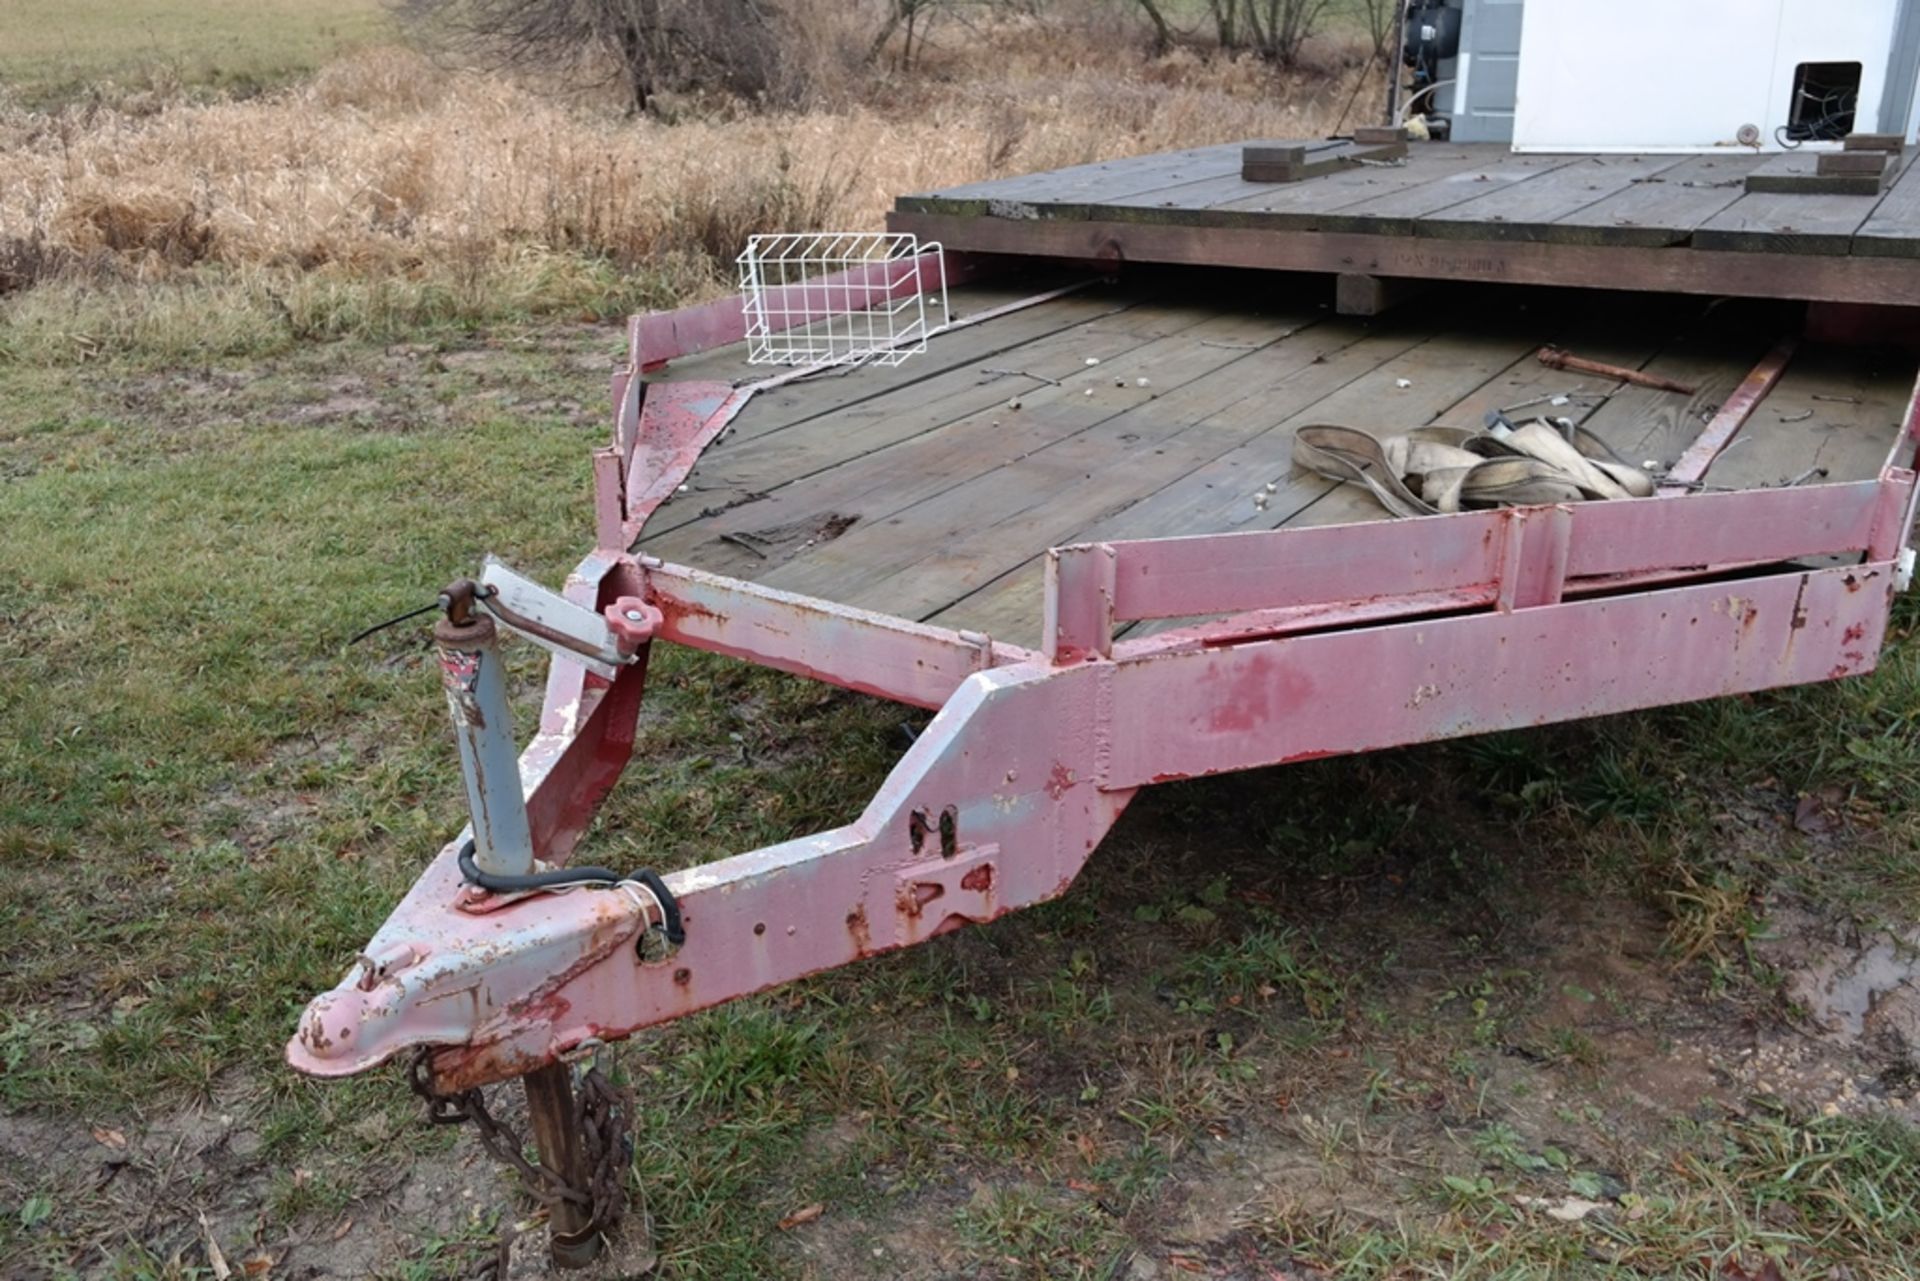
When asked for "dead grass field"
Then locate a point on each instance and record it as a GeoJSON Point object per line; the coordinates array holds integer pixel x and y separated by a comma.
{"type": "Point", "coordinates": [386, 192]}
{"type": "Point", "coordinates": [1628, 999]}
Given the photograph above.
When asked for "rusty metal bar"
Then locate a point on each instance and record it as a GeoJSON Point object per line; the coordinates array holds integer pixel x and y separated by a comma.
{"type": "Point", "coordinates": [556, 1133]}
{"type": "Point", "coordinates": [1731, 417]}
{"type": "Point", "coordinates": [1555, 358]}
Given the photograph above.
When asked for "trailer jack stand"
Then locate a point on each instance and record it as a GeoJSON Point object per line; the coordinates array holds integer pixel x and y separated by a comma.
{"type": "Point", "coordinates": [582, 1142]}
{"type": "Point", "coordinates": [583, 1146]}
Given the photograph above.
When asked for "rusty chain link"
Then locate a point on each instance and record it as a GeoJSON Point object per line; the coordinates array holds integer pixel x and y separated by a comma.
{"type": "Point", "coordinates": [600, 1110]}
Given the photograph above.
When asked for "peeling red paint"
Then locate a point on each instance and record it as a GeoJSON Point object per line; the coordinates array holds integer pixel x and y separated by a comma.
{"type": "Point", "coordinates": [677, 611]}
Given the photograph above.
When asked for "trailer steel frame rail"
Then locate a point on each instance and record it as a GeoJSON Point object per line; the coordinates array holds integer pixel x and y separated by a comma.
{"type": "Point", "coordinates": [1322, 641]}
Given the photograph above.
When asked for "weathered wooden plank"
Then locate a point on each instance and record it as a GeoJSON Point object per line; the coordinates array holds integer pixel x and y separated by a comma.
{"type": "Point", "coordinates": [1497, 171]}
{"type": "Point", "coordinates": [1834, 277]}
{"type": "Point", "coordinates": [1127, 420]}
{"type": "Point", "coordinates": [1808, 173]}
{"type": "Point", "coordinates": [1834, 407]}
{"type": "Point", "coordinates": [1362, 387]}
{"type": "Point", "coordinates": [1532, 210]}
{"type": "Point", "coordinates": [1234, 202]}
{"type": "Point", "coordinates": [1620, 330]}
{"type": "Point", "coordinates": [909, 457]}
{"type": "Point", "coordinates": [728, 364]}
{"type": "Point", "coordinates": [1766, 223]}
{"type": "Point", "coordinates": [1644, 425]}
{"type": "Point", "coordinates": [1376, 200]}
{"type": "Point", "coordinates": [1892, 230]}
{"type": "Point", "coordinates": [1085, 479]}
{"type": "Point", "coordinates": [1218, 497]}
{"type": "Point", "coordinates": [1063, 192]}
{"type": "Point", "coordinates": [1876, 163]}
{"type": "Point", "coordinates": [775, 445]}
{"type": "Point", "coordinates": [1295, 162]}
{"type": "Point", "coordinates": [1662, 208]}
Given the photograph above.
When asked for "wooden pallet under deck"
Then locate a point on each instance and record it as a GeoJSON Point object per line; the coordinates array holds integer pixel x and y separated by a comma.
{"type": "Point", "coordinates": [922, 491]}
{"type": "Point", "coordinates": [1458, 212]}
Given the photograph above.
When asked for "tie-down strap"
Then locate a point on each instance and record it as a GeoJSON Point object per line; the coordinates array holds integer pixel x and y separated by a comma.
{"type": "Point", "coordinates": [1431, 470]}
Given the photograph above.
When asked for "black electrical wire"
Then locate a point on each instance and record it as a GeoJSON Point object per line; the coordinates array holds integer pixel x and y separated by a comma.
{"type": "Point", "coordinates": [564, 877]}
{"type": "Point", "coordinates": [1835, 108]}
{"type": "Point", "coordinates": [381, 627]}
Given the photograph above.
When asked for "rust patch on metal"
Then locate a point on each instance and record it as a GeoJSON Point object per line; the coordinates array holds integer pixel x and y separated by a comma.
{"type": "Point", "coordinates": [1059, 780]}
{"type": "Point", "coordinates": [857, 928]}
{"type": "Point", "coordinates": [675, 610]}
{"type": "Point", "coordinates": [979, 880]}
{"type": "Point", "coordinates": [913, 897]}
{"type": "Point", "coordinates": [1853, 634]}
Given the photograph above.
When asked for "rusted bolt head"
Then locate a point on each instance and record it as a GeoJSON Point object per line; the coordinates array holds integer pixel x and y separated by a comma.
{"type": "Point", "coordinates": [683, 976]}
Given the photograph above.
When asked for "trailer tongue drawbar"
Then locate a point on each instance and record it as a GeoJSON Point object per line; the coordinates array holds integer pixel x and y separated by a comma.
{"type": "Point", "coordinates": [508, 959]}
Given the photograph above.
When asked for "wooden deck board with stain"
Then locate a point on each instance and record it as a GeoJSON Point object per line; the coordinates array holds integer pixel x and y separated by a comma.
{"type": "Point", "coordinates": [922, 492]}
{"type": "Point", "coordinates": [1589, 221]}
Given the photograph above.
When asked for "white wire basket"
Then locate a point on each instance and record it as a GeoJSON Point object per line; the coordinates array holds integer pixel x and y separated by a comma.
{"type": "Point", "coordinates": [840, 298]}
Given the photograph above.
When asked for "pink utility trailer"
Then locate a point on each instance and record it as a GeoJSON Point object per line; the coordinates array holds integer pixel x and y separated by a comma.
{"type": "Point", "coordinates": [1055, 502]}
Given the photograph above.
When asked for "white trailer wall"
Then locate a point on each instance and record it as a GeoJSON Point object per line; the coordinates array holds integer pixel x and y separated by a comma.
{"type": "Point", "coordinates": [1685, 75]}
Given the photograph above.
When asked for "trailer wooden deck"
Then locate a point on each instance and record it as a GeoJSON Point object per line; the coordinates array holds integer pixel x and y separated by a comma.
{"type": "Point", "coordinates": [1460, 212]}
{"type": "Point", "coordinates": [922, 491]}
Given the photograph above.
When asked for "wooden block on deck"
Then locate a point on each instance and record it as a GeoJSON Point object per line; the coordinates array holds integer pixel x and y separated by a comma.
{"type": "Point", "coordinates": [1358, 294]}
{"type": "Point", "coordinates": [1874, 163]}
{"type": "Point", "coordinates": [1293, 163]}
{"type": "Point", "coordinates": [1270, 158]}
{"type": "Point", "coordinates": [1815, 184]}
{"type": "Point", "coordinates": [1373, 135]}
{"type": "Point", "coordinates": [1874, 142]}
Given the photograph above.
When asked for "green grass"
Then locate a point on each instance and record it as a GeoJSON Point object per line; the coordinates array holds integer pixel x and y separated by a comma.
{"type": "Point", "coordinates": [62, 48]}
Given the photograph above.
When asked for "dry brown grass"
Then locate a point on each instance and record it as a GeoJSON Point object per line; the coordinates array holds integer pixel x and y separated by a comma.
{"type": "Point", "coordinates": [385, 162]}
{"type": "Point", "coordinates": [388, 193]}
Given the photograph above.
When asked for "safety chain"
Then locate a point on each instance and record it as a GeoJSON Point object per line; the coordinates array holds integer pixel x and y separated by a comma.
{"type": "Point", "coordinates": [600, 1111]}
